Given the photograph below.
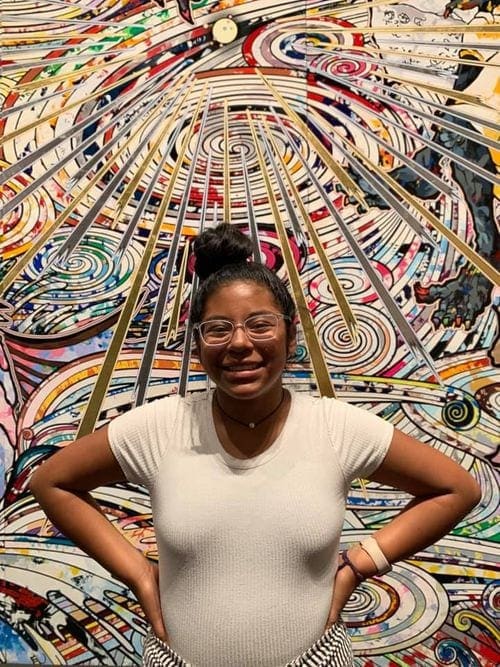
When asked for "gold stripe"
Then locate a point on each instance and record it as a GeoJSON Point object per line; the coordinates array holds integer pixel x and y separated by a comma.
{"type": "Point", "coordinates": [126, 195]}
{"type": "Point", "coordinates": [452, 29]}
{"type": "Point", "coordinates": [341, 9]}
{"type": "Point", "coordinates": [474, 258]}
{"type": "Point", "coordinates": [349, 185]}
{"type": "Point", "coordinates": [11, 276]}
{"type": "Point", "coordinates": [320, 368]}
{"type": "Point", "coordinates": [78, 103]}
{"type": "Point", "coordinates": [336, 288]}
{"type": "Point", "coordinates": [93, 409]}
{"type": "Point", "coordinates": [40, 83]}
{"type": "Point", "coordinates": [448, 92]}
{"type": "Point", "coordinates": [173, 323]}
{"type": "Point", "coordinates": [413, 54]}
{"type": "Point", "coordinates": [60, 220]}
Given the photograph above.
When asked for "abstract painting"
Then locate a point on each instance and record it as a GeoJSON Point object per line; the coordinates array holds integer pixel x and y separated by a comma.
{"type": "Point", "coordinates": [357, 144]}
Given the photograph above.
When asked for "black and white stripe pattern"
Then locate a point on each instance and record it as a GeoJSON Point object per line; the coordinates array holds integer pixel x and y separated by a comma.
{"type": "Point", "coordinates": [333, 649]}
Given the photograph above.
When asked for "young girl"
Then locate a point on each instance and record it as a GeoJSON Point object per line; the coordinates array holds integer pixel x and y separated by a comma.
{"type": "Point", "coordinates": [248, 487]}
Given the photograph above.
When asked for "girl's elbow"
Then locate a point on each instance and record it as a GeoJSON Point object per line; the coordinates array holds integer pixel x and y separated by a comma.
{"type": "Point", "coordinates": [38, 482]}
{"type": "Point", "coordinates": [475, 494]}
{"type": "Point", "coordinates": [470, 494]}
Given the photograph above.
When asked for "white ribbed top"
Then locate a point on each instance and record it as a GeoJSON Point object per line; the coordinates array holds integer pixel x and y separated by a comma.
{"type": "Point", "coordinates": [247, 548]}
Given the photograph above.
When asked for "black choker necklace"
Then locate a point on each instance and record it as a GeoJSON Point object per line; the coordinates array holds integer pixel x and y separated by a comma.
{"type": "Point", "coordinates": [251, 424]}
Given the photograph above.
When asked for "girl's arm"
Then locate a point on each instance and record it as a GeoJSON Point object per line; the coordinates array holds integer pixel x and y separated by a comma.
{"type": "Point", "coordinates": [61, 485]}
{"type": "Point", "coordinates": [444, 493]}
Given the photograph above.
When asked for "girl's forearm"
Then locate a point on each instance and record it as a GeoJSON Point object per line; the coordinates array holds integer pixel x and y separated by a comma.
{"type": "Point", "coordinates": [77, 515]}
{"type": "Point", "coordinates": [423, 521]}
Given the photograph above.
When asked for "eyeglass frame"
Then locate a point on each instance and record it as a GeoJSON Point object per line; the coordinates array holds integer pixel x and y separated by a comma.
{"type": "Point", "coordinates": [237, 325]}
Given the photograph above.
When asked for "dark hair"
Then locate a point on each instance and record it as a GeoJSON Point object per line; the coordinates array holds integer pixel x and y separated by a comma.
{"type": "Point", "coordinates": [222, 257]}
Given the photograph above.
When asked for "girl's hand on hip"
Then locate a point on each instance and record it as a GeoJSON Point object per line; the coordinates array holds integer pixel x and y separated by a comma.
{"type": "Point", "coordinates": [344, 585]}
{"type": "Point", "coordinates": [146, 589]}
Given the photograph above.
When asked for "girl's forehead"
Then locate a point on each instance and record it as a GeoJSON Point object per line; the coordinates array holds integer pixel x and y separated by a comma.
{"type": "Point", "coordinates": [242, 296]}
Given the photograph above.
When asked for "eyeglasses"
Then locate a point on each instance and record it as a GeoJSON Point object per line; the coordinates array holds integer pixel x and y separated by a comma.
{"type": "Point", "coordinates": [256, 327]}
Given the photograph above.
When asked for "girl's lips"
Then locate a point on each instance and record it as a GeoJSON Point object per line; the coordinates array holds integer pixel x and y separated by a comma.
{"type": "Point", "coordinates": [238, 368]}
{"type": "Point", "coordinates": [242, 371]}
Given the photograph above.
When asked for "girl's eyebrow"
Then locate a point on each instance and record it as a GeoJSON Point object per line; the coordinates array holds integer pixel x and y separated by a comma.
{"type": "Point", "coordinates": [229, 319]}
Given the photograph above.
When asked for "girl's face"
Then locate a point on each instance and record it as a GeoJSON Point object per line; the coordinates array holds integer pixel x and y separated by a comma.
{"type": "Point", "coordinates": [244, 368]}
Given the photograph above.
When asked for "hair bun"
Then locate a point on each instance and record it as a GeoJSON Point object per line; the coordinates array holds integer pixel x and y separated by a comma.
{"type": "Point", "coordinates": [219, 246]}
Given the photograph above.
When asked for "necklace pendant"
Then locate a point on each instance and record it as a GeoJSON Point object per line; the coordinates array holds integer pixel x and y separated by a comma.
{"type": "Point", "coordinates": [251, 425]}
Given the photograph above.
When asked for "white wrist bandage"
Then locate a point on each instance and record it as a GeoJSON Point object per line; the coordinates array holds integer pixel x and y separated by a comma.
{"type": "Point", "coordinates": [370, 545]}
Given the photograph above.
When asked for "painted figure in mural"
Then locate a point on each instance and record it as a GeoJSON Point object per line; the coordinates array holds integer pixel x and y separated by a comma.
{"type": "Point", "coordinates": [461, 298]}
{"type": "Point", "coordinates": [248, 484]}
{"type": "Point", "coordinates": [183, 6]}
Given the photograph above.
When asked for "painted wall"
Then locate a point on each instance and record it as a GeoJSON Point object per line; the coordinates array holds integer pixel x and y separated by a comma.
{"type": "Point", "coordinates": [356, 144]}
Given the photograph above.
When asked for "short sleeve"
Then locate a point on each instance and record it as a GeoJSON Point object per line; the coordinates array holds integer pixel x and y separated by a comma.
{"type": "Point", "coordinates": [360, 437]}
{"type": "Point", "coordinates": [139, 437]}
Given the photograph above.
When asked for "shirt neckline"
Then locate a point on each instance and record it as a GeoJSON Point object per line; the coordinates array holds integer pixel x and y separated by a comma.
{"type": "Point", "coordinates": [259, 459]}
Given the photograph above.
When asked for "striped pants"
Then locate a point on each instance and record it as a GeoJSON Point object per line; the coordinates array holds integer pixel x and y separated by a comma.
{"type": "Point", "coordinates": [333, 649]}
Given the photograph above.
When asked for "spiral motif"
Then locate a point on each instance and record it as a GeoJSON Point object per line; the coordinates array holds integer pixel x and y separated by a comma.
{"type": "Point", "coordinates": [491, 600]}
{"type": "Point", "coordinates": [374, 348]}
{"type": "Point", "coordinates": [28, 220]}
{"type": "Point", "coordinates": [353, 280]}
{"type": "Point", "coordinates": [488, 397]}
{"type": "Point", "coordinates": [461, 414]}
{"type": "Point", "coordinates": [93, 279]}
{"type": "Point", "coordinates": [319, 45]}
{"type": "Point", "coordinates": [395, 610]}
{"type": "Point", "coordinates": [453, 652]}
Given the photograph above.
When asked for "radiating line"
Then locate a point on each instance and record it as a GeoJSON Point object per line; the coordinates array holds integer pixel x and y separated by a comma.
{"type": "Point", "coordinates": [19, 37]}
{"type": "Point", "coordinates": [45, 236]}
{"type": "Point", "coordinates": [254, 232]}
{"type": "Point", "coordinates": [427, 175]}
{"type": "Point", "coordinates": [67, 107]}
{"type": "Point", "coordinates": [341, 8]}
{"type": "Point", "coordinates": [412, 54]}
{"type": "Point", "coordinates": [227, 171]}
{"type": "Point", "coordinates": [133, 183]}
{"type": "Point", "coordinates": [285, 195]}
{"type": "Point", "coordinates": [450, 28]}
{"type": "Point", "coordinates": [188, 337]}
{"type": "Point", "coordinates": [344, 178]}
{"type": "Point", "coordinates": [149, 191]}
{"type": "Point", "coordinates": [440, 90]}
{"type": "Point", "coordinates": [474, 258]}
{"type": "Point", "coordinates": [99, 391]}
{"type": "Point", "coordinates": [450, 110]}
{"type": "Point", "coordinates": [376, 180]}
{"type": "Point", "coordinates": [454, 127]}
{"type": "Point", "coordinates": [449, 45]}
{"type": "Point", "coordinates": [439, 148]}
{"type": "Point", "coordinates": [336, 288]}
{"type": "Point", "coordinates": [88, 219]}
{"type": "Point", "coordinates": [150, 348]}
{"type": "Point", "coordinates": [173, 323]}
{"type": "Point", "coordinates": [26, 18]}
{"type": "Point", "coordinates": [137, 94]}
{"type": "Point", "coordinates": [57, 141]}
{"type": "Point", "coordinates": [68, 76]}
{"type": "Point", "coordinates": [62, 60]}
{"type": "Point", "coordinates": [16, 50]}
{"type": "Point", "coordinates": [319, 366]}
{"type": "Point", "coordinates": [409, 335]}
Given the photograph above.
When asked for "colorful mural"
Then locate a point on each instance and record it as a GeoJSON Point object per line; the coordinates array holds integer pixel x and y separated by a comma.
{"type": "Point", "coordinates": [357, 144]}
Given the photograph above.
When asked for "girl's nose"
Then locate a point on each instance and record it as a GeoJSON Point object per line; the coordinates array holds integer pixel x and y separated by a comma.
{"type": "Point", "coordinates": [239, 337]}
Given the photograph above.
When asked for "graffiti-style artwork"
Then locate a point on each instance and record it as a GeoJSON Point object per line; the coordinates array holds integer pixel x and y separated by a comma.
{"type": "Point", "coordinates": [357, 144]}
